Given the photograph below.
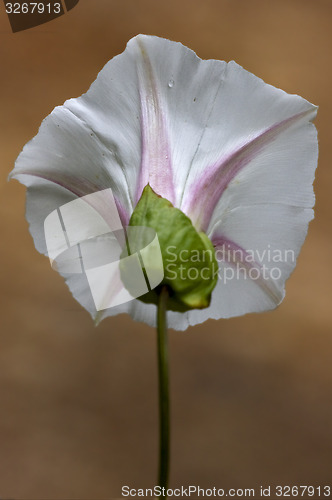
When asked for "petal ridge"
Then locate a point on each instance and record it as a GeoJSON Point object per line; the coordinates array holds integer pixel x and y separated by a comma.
{"type": "Point", "coordinates": [232, 257]}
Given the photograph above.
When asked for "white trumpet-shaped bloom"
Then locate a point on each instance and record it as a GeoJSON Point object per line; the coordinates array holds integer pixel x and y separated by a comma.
{"type": "Point", "coordinates": [236, 155]}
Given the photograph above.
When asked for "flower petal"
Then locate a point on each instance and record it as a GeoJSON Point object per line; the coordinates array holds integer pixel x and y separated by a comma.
{"type": "Point", "coordinates": [208, 189]}
{"type": "Point", "coordinates": [114, 136]}
{"type": "Point", "coordinates": [67, 153]}
{"type": "Point", "coordinates": [247, 119]}
{"type": "Point", "coordinates": [178, 93]}
{"type": "Point", "coordinates": [156, 168]}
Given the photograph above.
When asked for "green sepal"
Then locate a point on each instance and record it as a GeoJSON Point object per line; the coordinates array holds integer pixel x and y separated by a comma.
{"type": "Point", "coordinates": [190, 286]}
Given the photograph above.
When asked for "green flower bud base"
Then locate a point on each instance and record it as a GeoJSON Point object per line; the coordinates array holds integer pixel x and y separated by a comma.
{"type": "Point", "coordinates": [190, 266]}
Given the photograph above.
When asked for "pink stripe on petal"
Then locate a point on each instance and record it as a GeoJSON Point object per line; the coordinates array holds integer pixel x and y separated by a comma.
{"type": "Point", "coordinates": [205, 192]}
{"type": "Point", "coordinates": [156, 166]}
{"type": "Point", "coordinates": [237, 256]}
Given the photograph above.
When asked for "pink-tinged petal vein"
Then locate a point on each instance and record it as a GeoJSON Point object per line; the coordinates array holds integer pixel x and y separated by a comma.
{"type": "Point", "coordinates": [156, 165]}
{"type": "Point", "coordinates": [236, 256]}
{"type": "Point", "coordinates": [205, 192]}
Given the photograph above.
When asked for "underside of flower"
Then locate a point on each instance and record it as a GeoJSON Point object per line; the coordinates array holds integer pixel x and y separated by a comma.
{"type": "Point", "coordinates": [189, 263]}
{"type": "Point", "coordinates": [232, 153]}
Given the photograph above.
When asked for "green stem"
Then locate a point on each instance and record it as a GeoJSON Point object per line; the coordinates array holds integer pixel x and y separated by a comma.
{"type": "Point", "coordinates": [163, 388]}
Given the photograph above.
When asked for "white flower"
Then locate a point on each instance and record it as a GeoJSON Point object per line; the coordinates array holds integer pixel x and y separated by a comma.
{"type": "Point", "coordinates": [234, 154]}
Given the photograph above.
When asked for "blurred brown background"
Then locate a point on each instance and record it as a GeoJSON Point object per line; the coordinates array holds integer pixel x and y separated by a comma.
{"type": "Point", "coordinates": [251, 396]}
